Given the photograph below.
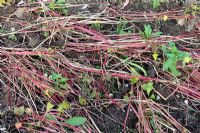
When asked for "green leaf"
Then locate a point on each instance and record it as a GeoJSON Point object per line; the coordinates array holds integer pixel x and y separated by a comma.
{"type": "Point", "coordinates": [49, 106]}
{"type": "Point", "coordinates": [121, 27]}
{"type": "Point", "coordinates": [60, 2]}
{"type": "Point", "coordinates": [50, 117]}
{"type": "Point", "coordinates": [147, 31]}
{"type": "Point", "coordinates": [157, 34]}
{"type": "Point", "coordinates": [134, 80]}
{"type": "Point", "coordinates": [63, 106]}
{"type": "Point", "coordinates": [173, 56]}
{"type": "Point", "coordinates": [170, 65]}
{"type": "Point", "coordinates": [66, 11]}
{"type": "Point", "coordinates": [93, 94]}
{"type": "Point", "coordinates": [125, 97]}
{"type": "Point", "coordinates": [148, 87]}
{"type": "Point", "coordinates": [152, 97]}
{"type": "Point", "coordinates": [63, 80]}
{"type": "Point", "coordinates": [76, 121]}
{"type": "Point", "coordinates": [51, 5]}
{"type": "Point", "coordinates": [155, 3]}
{"type": "Point", "coordinates": [82, 101]}
{"type": "Point", "coordinates": [55, 76]}
{"type": "Point", "coordinates": [19, 110]}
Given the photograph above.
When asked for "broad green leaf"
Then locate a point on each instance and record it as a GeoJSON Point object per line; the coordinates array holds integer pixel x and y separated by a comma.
{"type": "Point", "coordinates": [148, 87]}
{"type": "Point", "coordinates": [157, 34]}
{"type": "Point", "coordinates": [51, 5]}
{"type": "Point", "coordinates": [134, 80]}
{"type": "Point", "coordinates": [155, 3]}
{"type": "Point", "coordinates": [63, 106]}
{"type": "Point", "coordinates": [147, 31]}
{"type": "Point", "coordinates": [63, 80]}
{"type": "Point", "coordinates": [82, 101]}
{"type": "Point", "coordinates": [19, 110]}
{"type": "Point", "coordinates": [170, 65]}
{"type": "Point", "coordinates": [50, 117]}
{"type": "Point", "coordinates": [152, 97]}
{"type": "Point", "coordinates": [76, 121]}
{"type": "Point", "coordinates": [49, 106]}
{"type": "Point", "coordinates": [173, 56]}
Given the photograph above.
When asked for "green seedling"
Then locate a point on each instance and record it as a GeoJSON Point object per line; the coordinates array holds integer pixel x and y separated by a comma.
{"type": "Point", "coordinates": [148, 88]}
{"type": "Point", "coordinates": [51, 117]}
{"type": "Point", "coordinates": [173, 56]}
{"type": "Point", "coordinates": [122, 28]}
{"type": "Point", "coordinates": [148, 33]}
{"type": "Point", "coordinates": [49, 107]}
{"type": "Point", "coordinates": [63, 106]}
{"type": "Point", "coordinates": [155, 3]}
{"type": "Point", "coordinates": [97, 25]}
{"type": "Point", "coordinates": [193, 10]}
{"type": "Point", "coordinates": [74, 121]}
{"type": "Point", "coordinates": [60, 83]}
{"type": "Point", "coordinates": [58, 5]}
{"type": "Point", "coordinates": [82, 101]}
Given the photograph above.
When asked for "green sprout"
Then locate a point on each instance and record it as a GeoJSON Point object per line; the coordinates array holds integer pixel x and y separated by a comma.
{"type": "Point", "coordinates": [122, 28]}
{"type": "Point", "coordinates": [173, 56]}
{"type": "Point", "coordinates": [148, 32]}
{"type": "Point", "coordinates": [148, 88]}
{"type": "Point", "coordinates": [155, 3]}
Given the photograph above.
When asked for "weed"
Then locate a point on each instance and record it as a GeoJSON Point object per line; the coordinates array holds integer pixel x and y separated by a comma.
{"type": "Point", "coordinates": [63, 106]}
{"type": "Point", "coordinates": [148, 88]}
{"type": "Point", "coordinates": [82, 101]}
{"type": "Point", "coordinates": [173, 56]}
{"type": "Point", "coordinates": [97, 25]}
{"type": "Point", "coordinates": [59, 5]}
{"type": "Point", "coordinates": [60, 82]}
{"type": "Point", "coordinates": [147, 33]}
{"type": "Point", "coordinates": [155, 3]}
{"type": "Point", "coordinates": [122, 28]}
{"type": "Point", "coordinates": [193, 10]}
